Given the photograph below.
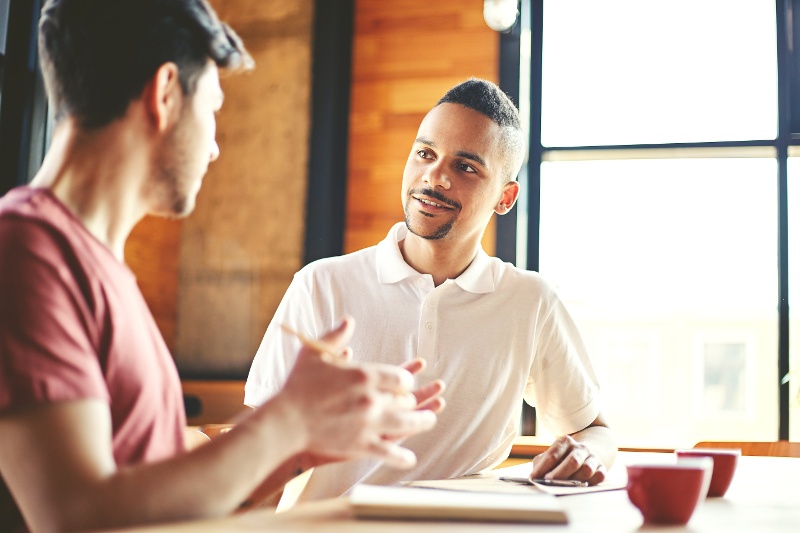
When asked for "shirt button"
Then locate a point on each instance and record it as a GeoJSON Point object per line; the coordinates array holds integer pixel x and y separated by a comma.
{"type": "Point", "coordinates": [430, 303]}
{"type": "Point", "coordinates": [429, 326]}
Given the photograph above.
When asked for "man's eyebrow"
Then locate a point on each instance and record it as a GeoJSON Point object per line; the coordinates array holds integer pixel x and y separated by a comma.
{"type": "Point", "coordinates": [471, 156]}
{"type": "Point", "coordinates": [461, 153]}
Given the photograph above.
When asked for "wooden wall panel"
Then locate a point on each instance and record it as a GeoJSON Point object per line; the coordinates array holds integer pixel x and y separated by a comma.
{"type": "Point", "coordinates": [152, 254]}
{"type": "Point", "coordinates": [406, 55]}
{"type": "Point", "coordinates": [244, 241]}
{"type": "Point", "coordinates": [213, 280]}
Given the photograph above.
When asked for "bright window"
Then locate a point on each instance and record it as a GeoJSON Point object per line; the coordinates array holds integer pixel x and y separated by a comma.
{"type": "Point", "coordinates": [669, 268]}
{"type": "Point", "coordinates": [641, 72]}
{"type": "Point", "coordinates": [724, 378]}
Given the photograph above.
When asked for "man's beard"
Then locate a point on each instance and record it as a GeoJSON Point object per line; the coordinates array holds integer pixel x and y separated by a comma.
{"type": "Point", "coordinates": [443, 230]}
{"type": "Point", "coordinates": [173, 180]}
{"type": "Point", "coordinates": [440, 233]}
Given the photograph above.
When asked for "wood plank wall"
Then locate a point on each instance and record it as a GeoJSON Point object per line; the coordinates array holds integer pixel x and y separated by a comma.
{"type": "Point", "coordinates": [214, 279]}
{"type": "Point", "coordinates": [152, 254]}
{"type": "Point", "coordinates": [406, 55]}
{"type": "Point", "coordinates": [243, 243]}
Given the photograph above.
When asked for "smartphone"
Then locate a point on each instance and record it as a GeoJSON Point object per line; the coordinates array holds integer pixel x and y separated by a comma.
{"type": "Point", "coordinates": [548, 482]}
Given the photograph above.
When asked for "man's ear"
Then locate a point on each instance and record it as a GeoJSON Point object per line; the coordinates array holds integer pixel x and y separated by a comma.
{"type": "Point", "coordinates": [163, 97]}
{"type": "Point", "coordinates": [508, 199]}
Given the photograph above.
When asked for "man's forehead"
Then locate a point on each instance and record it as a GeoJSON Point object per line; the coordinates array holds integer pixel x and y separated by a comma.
{"type": "Point", "coordinates": [210, 74]}
{"type": "Point", "coordinates": [455, 123]}
{"type": "Point", "coordinates": [208, 82]}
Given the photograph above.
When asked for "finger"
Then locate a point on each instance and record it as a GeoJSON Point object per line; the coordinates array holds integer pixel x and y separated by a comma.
{"type": "Point", "coordinates": [335, 339]}
{"type": "Point", "coordinates": [429, 392]}
{"type": "Point", "coordinates": [340, 336]}
{"type": "Point", "coordinates": [393, 454]}
{"type": "Point", "coordinates": [415, 366]}
{"type": "Point", "coordinates": [347, 354]}
{"type": "Point", "coordinates": [391, 378]}
{"type": "Point", "coordinates": [400, 424]}
{"type": "Point", "coordinates": [587, 470]}
{"type": "Point", "coordinates": [434, 404]}
{"type": "Point", "coordinates": [399, 401]}
{"type": "Point", "coordinates": [599, 476]}
{"type": "Point", "coordinates": [538, 468]}
{"type": "Point", "coordinates": [570, 464]}
{"type": "Point", "coordinates": [550, 458]}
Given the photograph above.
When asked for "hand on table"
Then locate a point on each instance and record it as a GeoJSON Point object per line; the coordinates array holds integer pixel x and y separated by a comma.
{"type": "Point", "coordinates": [568, 458]}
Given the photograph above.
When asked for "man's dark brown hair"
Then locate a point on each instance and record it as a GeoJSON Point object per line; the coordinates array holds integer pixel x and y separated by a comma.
{"type": "Point", "coordinates": [97, 55]}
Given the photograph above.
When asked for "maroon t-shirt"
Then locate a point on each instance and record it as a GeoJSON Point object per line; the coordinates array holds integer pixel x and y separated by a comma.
{"type": "Point", "coordinates": [74, 325]}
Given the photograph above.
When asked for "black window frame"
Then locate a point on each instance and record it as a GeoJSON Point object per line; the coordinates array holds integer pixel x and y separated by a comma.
{"type": "Point", "coordinates": [24, 122]}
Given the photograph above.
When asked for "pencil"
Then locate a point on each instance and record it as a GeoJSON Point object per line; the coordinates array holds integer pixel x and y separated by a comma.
{"type": "Point", "coordinates": [321, 347]}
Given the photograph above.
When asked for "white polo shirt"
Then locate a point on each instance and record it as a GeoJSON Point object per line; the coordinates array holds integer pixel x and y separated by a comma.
{"type": "Point", "coordinates": [495, 334]}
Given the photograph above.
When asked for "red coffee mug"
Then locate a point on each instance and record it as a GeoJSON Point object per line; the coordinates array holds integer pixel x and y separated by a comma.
{"type": "Point", "coordinates": [669, 493]}
{"type": "Point", "coordinates": [725, 460]}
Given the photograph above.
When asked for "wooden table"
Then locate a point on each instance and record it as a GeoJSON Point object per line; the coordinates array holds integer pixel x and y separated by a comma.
{"type": "Point", "coordinates": [764, 497]}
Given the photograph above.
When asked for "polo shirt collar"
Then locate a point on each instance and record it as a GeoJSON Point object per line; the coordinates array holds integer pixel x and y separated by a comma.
{"type": "Point", "coordinates": [478, 278]}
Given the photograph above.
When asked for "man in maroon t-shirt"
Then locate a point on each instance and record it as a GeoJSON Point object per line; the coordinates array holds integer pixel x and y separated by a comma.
{"type": "Point", "coordinates": [91, 413]}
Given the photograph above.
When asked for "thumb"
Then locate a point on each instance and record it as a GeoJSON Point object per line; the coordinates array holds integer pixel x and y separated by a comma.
{"type": "Point", "coordinates": [339, 337]}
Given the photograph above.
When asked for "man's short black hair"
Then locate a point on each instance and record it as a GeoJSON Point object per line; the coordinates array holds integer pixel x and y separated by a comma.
{"type": "Point", "coordinates": [97, 55]}
{"type": "Point", "coordinates": [488, 99]}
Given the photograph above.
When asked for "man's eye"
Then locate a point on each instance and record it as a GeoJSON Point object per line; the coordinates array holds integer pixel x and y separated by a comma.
{"type": "Point", "coordinates": [467, 168]}
{"type": "Point", "coordinates": [422, 153]}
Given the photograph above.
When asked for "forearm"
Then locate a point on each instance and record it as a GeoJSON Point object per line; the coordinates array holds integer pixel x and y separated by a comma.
{"type": "Point", "coordinates": [212, 480]}
{"type": "Point", "coordinates": [251, 461]}
{"type": "Point", "coordinates": [267, 494]}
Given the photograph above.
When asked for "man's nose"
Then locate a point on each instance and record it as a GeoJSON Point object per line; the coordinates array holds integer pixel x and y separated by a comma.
{"type": "Point", "coordinates": [436, 176]}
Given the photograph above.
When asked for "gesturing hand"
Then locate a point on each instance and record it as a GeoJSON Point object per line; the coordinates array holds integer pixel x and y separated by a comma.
{"type": "Point", "coordinates": [429, 396]}
{"type": "Point", "coordinates": [347, 410]}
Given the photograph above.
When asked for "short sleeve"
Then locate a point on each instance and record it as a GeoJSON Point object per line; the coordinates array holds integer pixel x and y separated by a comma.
{"type": "Point", "coordinates": [48, 319]}
{"type": "Point", "coordinates": [278, 351]}
{"type": "Point", "coordinates": [562, 384]}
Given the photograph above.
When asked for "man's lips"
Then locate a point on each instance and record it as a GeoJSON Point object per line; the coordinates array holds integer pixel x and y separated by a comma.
{"type": "Point", "coordinates": [430, 202]}
{"type": "Point", "coordinates": [433, 199]}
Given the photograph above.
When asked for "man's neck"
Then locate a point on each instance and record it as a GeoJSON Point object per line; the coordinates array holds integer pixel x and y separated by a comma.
{"type": "Point", "coordinates": [441, 259]}
{"type": "Point", "coordinates": [98, 176]}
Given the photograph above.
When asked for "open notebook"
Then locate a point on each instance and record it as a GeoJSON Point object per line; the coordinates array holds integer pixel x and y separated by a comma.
{"type": "Point", "coordinates": [490, 482]}
{"type": "Point", "coordinates": [405, 502]}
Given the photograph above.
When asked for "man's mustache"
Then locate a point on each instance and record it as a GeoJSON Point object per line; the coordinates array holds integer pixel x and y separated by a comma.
{"type": "Point", "coordinates": [436, 195]}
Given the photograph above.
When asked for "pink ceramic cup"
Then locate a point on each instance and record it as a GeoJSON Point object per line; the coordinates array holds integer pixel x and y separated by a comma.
{"type": "Point", "coordinates": [725, 461]}
{"type": "Point", "coordinates": [669, 493]}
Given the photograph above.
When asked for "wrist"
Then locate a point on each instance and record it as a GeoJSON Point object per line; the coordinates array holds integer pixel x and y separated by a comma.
{"type": "Point", "coordinates": [279, 416]}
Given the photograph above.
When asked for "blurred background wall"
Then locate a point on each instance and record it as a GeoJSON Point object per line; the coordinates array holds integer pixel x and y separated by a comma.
{"type": "Point", "coordinates": [214, 279]}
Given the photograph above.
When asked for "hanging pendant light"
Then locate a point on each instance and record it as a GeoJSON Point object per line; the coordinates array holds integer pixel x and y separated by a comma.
{"type": "Point", "coordinates": [500, 15]}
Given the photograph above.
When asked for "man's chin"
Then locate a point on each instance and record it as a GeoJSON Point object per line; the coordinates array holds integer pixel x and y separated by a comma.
{"type": "Point", "coordinates": [178, 210]}
{"type": "Point", "coordinates": [429, 234]}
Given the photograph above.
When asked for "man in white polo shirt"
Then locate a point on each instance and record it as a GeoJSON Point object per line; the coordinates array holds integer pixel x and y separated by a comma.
{"type": "Point", "coordinates": [494, 333]}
